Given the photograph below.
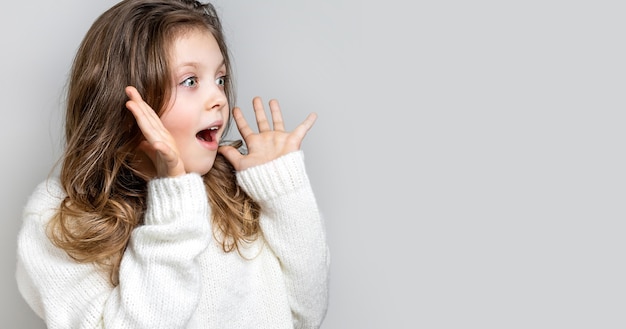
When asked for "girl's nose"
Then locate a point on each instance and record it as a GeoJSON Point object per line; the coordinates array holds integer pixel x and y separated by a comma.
{"type": "Point", "coordinates": [216, 97]}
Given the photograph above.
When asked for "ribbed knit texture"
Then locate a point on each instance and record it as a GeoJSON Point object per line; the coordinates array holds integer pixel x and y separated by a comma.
{"type": "Point", "coordinates": [174, 275]}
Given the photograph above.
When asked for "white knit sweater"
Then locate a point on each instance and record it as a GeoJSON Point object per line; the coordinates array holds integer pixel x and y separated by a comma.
{"type": "Point", "coordinates": [174, 274]}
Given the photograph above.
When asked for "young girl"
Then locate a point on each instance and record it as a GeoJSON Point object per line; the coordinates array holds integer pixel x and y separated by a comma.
{"type": "Point", "coordinates": [153, 221]}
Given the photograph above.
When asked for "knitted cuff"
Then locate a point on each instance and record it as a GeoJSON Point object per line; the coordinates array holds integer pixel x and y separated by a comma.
{"type": "Point", "coordinates": [173, 197]}
{"type": "Point", "coordinates": [274, 178]}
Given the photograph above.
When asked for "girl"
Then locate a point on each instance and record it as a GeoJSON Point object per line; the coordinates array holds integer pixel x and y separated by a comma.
{"type": "Point", "coordinates": [154, 220]}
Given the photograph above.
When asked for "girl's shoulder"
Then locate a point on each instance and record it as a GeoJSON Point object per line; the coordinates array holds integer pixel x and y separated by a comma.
{"type": "Point", "coordinates": [45, 197]}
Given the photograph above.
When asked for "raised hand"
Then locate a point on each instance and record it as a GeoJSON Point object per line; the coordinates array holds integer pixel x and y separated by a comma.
{"type": "Point", "coordinates": [270, 142]}
{"type": "Point", "coordinates": [159, 145]}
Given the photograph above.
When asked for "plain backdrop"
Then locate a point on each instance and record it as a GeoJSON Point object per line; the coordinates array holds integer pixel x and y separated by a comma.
{"type": "Point", "coordinates": [468, 156]}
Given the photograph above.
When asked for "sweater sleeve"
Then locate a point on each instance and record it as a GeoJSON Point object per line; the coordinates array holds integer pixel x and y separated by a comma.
{"type": "Point", "coordinates": [294, 230]}
{"type": "Point", "coordinates": [159, 277]}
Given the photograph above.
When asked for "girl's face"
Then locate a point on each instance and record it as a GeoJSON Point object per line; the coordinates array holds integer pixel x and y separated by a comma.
{"type": "Point", "coordinates": [197, 114]}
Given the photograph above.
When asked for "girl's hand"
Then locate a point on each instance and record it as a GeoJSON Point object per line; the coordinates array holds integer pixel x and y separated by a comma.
{"type": "Point", "coordinates": [270, 142]}
{"type": "Point", "coordinates": [158, 145]}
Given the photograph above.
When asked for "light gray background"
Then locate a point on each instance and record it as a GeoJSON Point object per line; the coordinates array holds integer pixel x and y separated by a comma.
{"type": "Point", "coordinates": [468, 156]}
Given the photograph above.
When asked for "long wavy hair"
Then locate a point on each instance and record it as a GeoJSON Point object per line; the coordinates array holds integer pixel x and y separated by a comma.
{"type": "Point", "coordinates": [130, 44]}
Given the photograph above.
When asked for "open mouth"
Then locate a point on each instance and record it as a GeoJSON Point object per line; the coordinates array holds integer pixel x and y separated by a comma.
{"type": "Point", "coordinates": [208, 135]}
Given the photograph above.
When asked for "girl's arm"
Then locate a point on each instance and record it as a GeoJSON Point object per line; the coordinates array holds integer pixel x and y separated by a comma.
{"type": "Point", "coordinates": [159, 280]}
{"type": "Point", "coordinates": [273, 174]}
{"type": "Point", "coordinates": [294, 230]}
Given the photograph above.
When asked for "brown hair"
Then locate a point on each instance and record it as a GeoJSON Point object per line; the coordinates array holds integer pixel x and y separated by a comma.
{"type": "Point", "coordinates": [129, 44]}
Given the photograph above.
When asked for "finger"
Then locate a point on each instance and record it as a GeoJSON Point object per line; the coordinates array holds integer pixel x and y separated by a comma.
{"type": "Point", "coordinates": [139, 106]}
{"type": "Point", "coordinates": [158, 149]}
{"type": "Point", "coordinates": [164, 158]}
{"type": "Point", "coordinates": [132, 92]}
{"type": "Point", "coordinates": [147, 124]}
{"type": "Point", "coordinates": [277, 116]}
{"type": "Point", "coordinates": [230, 153]}
{"type": "Point", "coordinates": [242, 124]}
{"type": "Point", "coordinates": [166, 153]}
{"type": "Point", "coordinates": [259, 113]}
{"type": "Point", "coordinates": [305, 126]}
{"type": "Point", "coordinates": [136, 103]}
{"type": "Point", "coordinates": [147, 119]}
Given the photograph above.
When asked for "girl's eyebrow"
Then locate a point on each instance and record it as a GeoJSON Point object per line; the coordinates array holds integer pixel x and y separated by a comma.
{"type": "Point", "coordinates": [196, 64]}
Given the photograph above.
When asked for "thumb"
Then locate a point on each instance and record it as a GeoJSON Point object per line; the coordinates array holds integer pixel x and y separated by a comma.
{"type": "Point", "coordinates": [230, 153]}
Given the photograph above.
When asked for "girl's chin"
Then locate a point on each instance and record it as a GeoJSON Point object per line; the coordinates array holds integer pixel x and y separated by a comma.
{"type": "Point", "coordinates": [200, 169]}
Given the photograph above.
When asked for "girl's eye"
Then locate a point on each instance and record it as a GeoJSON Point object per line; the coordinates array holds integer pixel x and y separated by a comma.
{"type": "Point", "coordinates": [190, 82]}
{"type": "Point", "coordinates": [221, 81]}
